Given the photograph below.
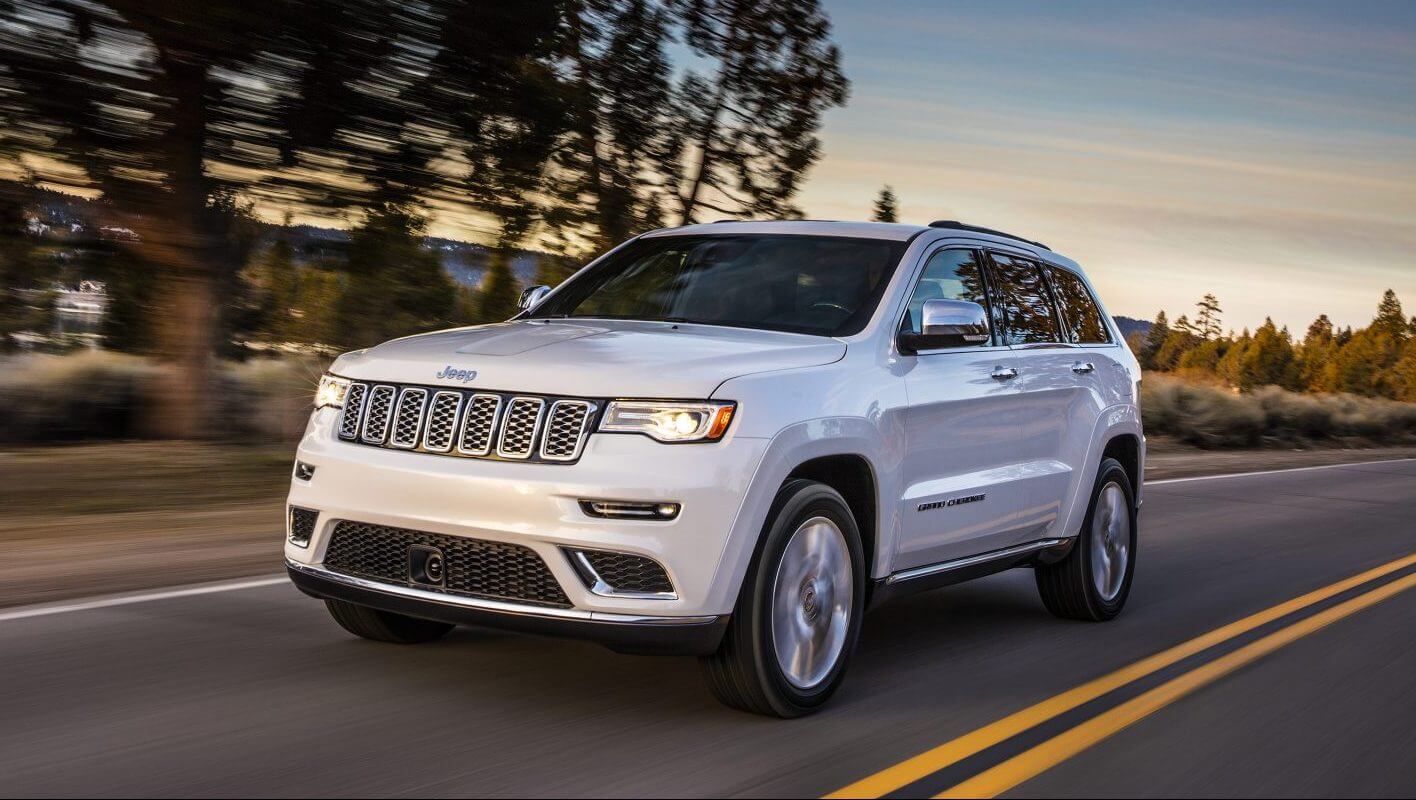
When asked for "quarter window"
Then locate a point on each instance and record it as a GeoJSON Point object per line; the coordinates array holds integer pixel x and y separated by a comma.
{"type": "Point", "coordinates": [1027, 308]}
{"type": "Point", "coordinates": [1081, 319]}
{"type": "Point", "coordinates": [948, 275]}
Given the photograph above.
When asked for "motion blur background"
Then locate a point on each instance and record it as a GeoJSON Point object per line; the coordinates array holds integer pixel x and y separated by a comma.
{"type": "Point", "coordinates": [202, 203]}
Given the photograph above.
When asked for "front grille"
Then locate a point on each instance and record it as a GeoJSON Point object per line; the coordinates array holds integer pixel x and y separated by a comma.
{"type": "Point", "coordinates": [523, 419]}
{"type": "Point", "coordinates": [473, 568]}
{"type": "Point", "coordinates": [623, 573]}
{"type": "Point", "coordinates": [468, 424]}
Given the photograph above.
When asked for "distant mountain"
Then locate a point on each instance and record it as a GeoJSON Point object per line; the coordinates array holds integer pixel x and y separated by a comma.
{"type": "Point", "coordinates": [1129, 325]}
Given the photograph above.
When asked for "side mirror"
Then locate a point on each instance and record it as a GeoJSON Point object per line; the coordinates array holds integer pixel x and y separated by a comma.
{"type": "Point", "coordinates": [532, 296]}
{"type": "Point", "coordinates": [947, 323]}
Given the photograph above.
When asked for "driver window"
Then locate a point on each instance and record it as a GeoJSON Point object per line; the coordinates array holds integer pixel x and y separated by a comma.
{"type": "Point", "coordinates": [948, 275]}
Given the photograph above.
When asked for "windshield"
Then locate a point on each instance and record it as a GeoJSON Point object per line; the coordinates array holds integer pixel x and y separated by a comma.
{"type": "Point", "coordinates": [824, 285]}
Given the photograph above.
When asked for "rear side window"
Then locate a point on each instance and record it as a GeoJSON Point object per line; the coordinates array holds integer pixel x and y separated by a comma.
{"type": "Point", "coordinates": [1027, 308]}
{"type": "Point", "coordinates": [1081, 319]}
{"type": "Point", "coordinates": [948, 275]}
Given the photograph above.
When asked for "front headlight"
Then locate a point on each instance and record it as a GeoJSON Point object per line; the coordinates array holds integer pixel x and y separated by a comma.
{"type": "Point", "coordinates": [668, 421]}
{"type": "Point", "coordinates": [331, 392]}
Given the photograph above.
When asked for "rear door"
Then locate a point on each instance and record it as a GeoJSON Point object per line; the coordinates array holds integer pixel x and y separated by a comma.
{"type": "Point", "coordinates": [1057, 380]}
{"type": "Point", "coordinates": [960, 465]}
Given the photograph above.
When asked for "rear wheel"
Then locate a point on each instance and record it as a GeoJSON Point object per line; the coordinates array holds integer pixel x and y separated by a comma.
{"type": "Point", "coordinates": [1092, 582]}
{"type": "Point", "coordinates": [798, 614]}
{"type": "Point", "coordinates": [383, 626]}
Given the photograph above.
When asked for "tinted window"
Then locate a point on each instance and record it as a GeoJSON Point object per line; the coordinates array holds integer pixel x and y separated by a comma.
{"type": "Point", "coordinates": [826, 285]}
{"type": "Point", "coordinates": [948, 275]}
{"type": "Point", "coordinates": [1081, 319]}
{"type": "Point", "coordinates": [1027, 307]}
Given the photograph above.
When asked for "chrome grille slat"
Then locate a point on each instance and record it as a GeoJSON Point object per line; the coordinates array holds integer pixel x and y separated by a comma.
{"type": "Point", "coordinates": [565, 432]}
{"type": "Point", "coordinates": [520, 426]}
{"type": "Point", "coordinates": [479, 424]}
{"type": "Point", "coordinates": [408, 422]}
{"type": "Point", "coordinates": [379, 414]}
{"type": "Point", "coordinates": [353, 409]}
{"type": "Point", "coordinates": [442, 421]}
{"type": "Point", "coordinates": [466, 423]}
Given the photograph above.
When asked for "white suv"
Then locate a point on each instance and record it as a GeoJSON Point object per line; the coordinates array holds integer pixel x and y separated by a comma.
{"type": "Point", "coordinates": [730, 440]}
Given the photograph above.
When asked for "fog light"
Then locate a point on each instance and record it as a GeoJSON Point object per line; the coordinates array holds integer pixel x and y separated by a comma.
{"type": "Point", "coordinates": [302, 525]}
{"type": "Point", "coordinates": [628, 509]}
{"type": "Point", "coordinates": [303, 471]}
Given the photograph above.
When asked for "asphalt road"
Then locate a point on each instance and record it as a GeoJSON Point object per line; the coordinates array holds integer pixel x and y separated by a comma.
{"type": "Point", "coordinates": [254, 692]}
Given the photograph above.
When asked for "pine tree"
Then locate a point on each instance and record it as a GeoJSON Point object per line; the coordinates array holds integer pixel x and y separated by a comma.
{"type": "Point", "coordinates": [749, 127]}
{"type": "Point", "coordinates": [885, 206]}
{"type": "Point", "coordinates": [1390, 319]}
{"type": "Point", "coordinates": [1155, 339]}
{"type": "Point", "coordinates": [1207, 318]}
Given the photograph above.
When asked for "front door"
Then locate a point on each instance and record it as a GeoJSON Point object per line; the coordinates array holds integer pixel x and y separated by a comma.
{"type": "Point", "coordinates": [962, 487]}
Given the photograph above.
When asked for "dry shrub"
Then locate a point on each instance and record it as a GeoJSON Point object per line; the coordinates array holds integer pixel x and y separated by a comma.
{"type": "Point", "coordinates": [1212, 416]}
{"type": "Point", "coordinates": [95, 395]}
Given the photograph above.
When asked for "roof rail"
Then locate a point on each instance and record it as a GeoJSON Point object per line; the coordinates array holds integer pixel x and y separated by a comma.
{"type": "Point", "coordinates": [956, 225]}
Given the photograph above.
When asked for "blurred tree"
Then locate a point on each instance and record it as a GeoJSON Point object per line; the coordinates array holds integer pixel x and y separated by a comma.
{"type": "Point", "coordinates": [886, 209]}
{"type": "Point", "coordinates": [496, 301]}
{"type": "Point", "coordinates": [1268, 360]}
{"type": "Point", "coordinates": [621, 137]}
{"type": "Point", "coordinates": [749, 128]}
{"type": "Point", "coordinates": [396, 285]}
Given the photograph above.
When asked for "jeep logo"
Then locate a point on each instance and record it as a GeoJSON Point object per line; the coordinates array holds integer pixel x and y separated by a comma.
{"type": "Point", "coordinates": [452, 373]}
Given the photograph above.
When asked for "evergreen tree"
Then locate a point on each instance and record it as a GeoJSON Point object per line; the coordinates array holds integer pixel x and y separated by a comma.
{"type": "Point", "coordinates": [1181, 339]}
{"type": "Point", "coordinates": [1390, 319]}
{"type": "Point", "coordinates": [885, 206]}
{"type": "Point", "coordinates": [749, 127]}
{"type": "Point", "coordinates": [1155, 339]}
{"type": "Point", "coordinates": [1269, 360]}
{"type": "Point", "coordinates": [1207, 318]}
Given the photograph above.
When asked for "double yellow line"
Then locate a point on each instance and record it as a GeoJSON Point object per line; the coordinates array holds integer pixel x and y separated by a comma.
{"type": "Point", "coordinates": [1015, 770]}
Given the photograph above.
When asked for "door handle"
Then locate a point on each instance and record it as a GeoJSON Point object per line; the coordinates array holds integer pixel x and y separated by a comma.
{"type": "Point", "coordinates": [1083, 367]}
{"type": "Point", "coordinates": [1005, 373]}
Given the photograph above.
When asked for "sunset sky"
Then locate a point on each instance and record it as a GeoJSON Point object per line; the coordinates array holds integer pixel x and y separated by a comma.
{"type": "Point", "coordinates": [1262, 151]}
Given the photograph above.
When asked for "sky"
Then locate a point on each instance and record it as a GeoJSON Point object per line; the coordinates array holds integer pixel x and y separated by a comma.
{"type": "Point", "coordinates": [1265, 152]}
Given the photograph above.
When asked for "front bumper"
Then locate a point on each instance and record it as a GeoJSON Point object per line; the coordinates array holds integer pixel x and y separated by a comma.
{"type": "Point", "coordinates": [629, 633]}
{"type": "Point", "coordinates": [536, 506]}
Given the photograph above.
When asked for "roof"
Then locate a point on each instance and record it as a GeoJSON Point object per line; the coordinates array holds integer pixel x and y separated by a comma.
{"type": "Point", "coordinates": [802, 227]}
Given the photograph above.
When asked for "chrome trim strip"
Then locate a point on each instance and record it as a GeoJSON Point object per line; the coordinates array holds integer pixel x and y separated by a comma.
{"type": "Point", "coordinates": [352, 434]}
{"type": "Point", "coordinates": [600, 587]}
{"type": "Point", "coordinates": [971, 561]}
{"type": "Point", "coordinates": [497, 606]}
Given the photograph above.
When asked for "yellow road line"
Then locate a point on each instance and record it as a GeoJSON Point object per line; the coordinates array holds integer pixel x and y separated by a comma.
{"type": "Point", "coordinates": [931, 761]}
{"type": "Point", "coordinates": [1010, 773]}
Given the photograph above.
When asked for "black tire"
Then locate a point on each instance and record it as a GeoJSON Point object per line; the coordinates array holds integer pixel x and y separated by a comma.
{"type": "Point", "coordinates": [1067, 586]}
{"type": "Point", "coordinates": [744, 673]}
{"type": "Point", "coordinates": [383, 626]}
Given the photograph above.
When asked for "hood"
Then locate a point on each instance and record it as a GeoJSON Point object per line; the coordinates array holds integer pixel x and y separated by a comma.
{"type": "Point", "coordinates": [588, 358]}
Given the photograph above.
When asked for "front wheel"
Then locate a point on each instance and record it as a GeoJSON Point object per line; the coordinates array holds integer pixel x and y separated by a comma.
{"type": "Point", "coordinates": [1093, 580]}
{"type": "Point", "coordinates": [798, 614]}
